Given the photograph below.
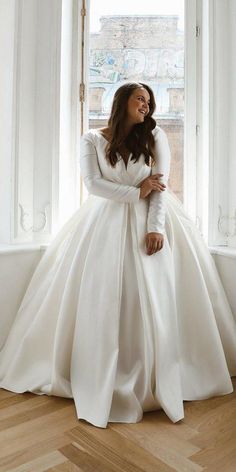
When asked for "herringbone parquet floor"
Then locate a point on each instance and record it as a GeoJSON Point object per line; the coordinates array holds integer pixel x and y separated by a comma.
{"type": "Point", "coordinates": [40, 433]}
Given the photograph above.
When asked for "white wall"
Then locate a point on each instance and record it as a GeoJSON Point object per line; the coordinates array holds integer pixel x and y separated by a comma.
{"type": "Point", "coordinates": [227, 269]}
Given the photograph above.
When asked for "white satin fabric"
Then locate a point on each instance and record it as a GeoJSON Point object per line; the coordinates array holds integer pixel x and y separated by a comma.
{"type": "Point", "coordinates": [120, 331]}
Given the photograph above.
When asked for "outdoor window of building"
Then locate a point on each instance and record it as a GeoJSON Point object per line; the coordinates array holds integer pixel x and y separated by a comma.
{"type": "Point", "coordinates": [145, 46]}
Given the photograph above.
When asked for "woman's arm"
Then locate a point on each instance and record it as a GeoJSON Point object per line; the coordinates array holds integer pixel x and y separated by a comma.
{"type": "Point", "coordinates": [156, 213]}
{"type": "Point", "coordinates": [96, 183]}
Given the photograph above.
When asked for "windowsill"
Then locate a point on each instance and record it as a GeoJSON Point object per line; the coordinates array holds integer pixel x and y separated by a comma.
{"type": "Point", "coordinates": [223, 251]}
{"type": "Point", "coordinates": [13, 249]}
{"type": "Point", "coordinates": [16, 248]}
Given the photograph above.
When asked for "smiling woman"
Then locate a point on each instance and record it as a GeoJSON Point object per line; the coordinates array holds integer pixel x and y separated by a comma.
{"type": "Point", "coordinates": [133, 102]}
{"type": "Point", "coordinates": [125, 311]}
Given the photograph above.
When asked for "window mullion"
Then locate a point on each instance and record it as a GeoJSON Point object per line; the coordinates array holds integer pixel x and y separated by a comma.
{"type": "Point", "coordinates": [190, 109]}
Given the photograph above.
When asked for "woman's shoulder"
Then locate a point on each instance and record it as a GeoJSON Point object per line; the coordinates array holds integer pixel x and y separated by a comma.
{"type": "Point", "coordinates": [158, 131]}
{"type": "Point", "coordinates": [93, 137]}
{"type": "Point", "coordinates": [93, 133]}
{"type": "Point", "coordinates": [90, 134]}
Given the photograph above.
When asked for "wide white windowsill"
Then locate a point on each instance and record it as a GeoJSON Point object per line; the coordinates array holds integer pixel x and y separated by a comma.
{"type": "Point", "coordinates": [223, 251]}
{"type": "Point", "coordinates": [20, 248]}
{"type": "Point", "coordinates": [13, 249]}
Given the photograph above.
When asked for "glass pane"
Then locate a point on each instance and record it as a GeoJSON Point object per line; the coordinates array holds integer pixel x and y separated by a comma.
{"type": "Point", "coordinates": [147, 46]}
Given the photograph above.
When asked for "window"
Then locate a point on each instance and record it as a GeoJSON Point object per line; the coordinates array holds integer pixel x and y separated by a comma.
{"type": "Point", "coordinates": [147, 46]}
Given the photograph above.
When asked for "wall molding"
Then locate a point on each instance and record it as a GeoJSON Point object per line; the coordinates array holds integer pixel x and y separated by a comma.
{"type": "Point", "coordinates": [42, 218]}
{"type": "Point", "coordinates": [38, 98]}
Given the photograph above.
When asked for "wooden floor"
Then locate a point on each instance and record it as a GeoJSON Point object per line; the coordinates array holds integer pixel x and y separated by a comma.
{"type": "Point", "coordinates": [40, 433]}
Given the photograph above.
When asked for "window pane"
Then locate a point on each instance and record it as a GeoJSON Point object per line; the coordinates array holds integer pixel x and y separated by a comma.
{"type": "Point", "coordinates": [146, 47]}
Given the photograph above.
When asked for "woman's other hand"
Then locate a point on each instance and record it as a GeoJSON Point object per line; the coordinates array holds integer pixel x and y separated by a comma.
{"type": "Point", "coordinates": [150, 184]}
{"type": "Point", "coordinates": [154, 243]}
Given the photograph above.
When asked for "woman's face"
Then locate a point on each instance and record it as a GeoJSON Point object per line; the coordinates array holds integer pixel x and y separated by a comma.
{"type": "Point", "coordinates": [138, 106]}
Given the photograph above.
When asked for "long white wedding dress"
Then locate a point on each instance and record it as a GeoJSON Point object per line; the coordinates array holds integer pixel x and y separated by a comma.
{"type": "Point", "coordinates": [120, 331]}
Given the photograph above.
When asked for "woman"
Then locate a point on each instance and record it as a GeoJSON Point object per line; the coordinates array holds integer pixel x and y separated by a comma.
{"type": "Point", "coordinates": [125, 312]}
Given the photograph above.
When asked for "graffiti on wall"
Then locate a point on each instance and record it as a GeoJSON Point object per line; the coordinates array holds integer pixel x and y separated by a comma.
{"type": "Point", "coordinates": [164, 65]}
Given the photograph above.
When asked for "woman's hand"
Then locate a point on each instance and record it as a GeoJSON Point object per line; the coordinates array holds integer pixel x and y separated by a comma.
{"type": "Point", "coordinates": [154, 242]}
{"type": "Point", "coordinates": [151, 183]}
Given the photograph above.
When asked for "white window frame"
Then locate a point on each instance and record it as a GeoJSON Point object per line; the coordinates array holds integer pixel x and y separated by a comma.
{"type": "Point", "coordinates": [190, 111]}
{"type": "Point", "coordinates": [216, 166]}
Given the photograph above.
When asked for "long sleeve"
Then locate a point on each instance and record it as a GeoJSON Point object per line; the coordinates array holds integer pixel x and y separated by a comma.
{"type": "Point", "coordinates": [95, 183]}
{"type": "Point", "coordinates": [156, 213]}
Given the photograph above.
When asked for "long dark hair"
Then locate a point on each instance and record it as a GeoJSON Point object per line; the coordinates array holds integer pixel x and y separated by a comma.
{"type": "Point", "coordinates": [140, 140]}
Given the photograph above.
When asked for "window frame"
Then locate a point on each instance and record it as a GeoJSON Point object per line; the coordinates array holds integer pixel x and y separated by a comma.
{"type": "Point", "coordinates": [190, 112]}
{"type": "Point", "coordinates": [216, 212]}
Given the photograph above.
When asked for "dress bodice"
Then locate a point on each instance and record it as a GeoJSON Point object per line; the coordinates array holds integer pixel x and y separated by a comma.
{"type": "Point", "coordinates": [122, 183]}
{"type": "Point", "coordinates": [132, 174]}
